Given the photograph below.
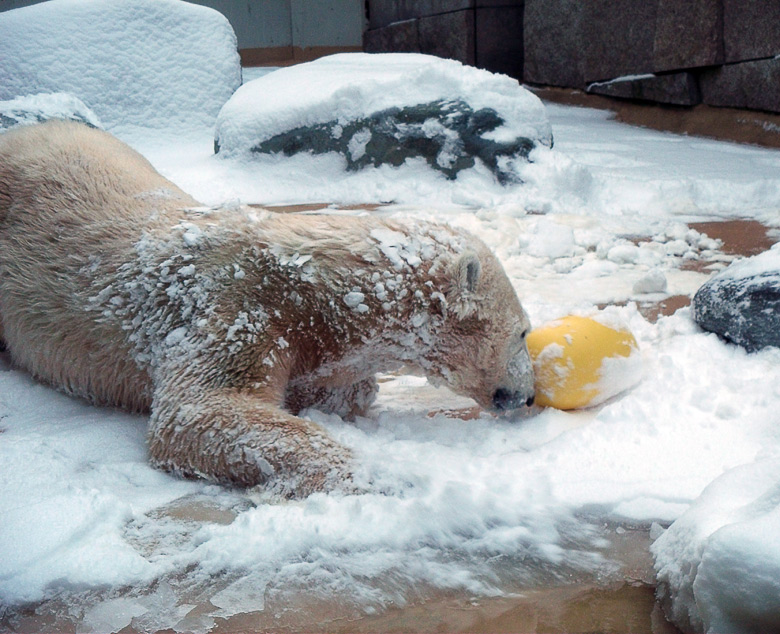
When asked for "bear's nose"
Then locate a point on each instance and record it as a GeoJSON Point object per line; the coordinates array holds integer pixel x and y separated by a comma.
{"type": "Point", "coordinates": [508, 399]}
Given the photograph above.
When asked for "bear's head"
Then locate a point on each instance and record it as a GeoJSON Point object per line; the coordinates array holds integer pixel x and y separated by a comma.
{"type": "Point", "coordinates": [482, 351]}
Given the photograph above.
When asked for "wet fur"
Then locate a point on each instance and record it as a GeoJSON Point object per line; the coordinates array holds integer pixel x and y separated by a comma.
{"type": "Point", "coordinates": [223, 324]}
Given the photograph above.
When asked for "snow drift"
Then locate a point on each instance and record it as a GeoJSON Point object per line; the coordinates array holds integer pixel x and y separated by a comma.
{"type": "Point", "coordinates": [161, 64]}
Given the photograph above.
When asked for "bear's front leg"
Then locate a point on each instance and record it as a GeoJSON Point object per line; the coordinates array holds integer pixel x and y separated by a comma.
{"type": "Point", "coordinates": [236, 437]}
{"type": "Point", "coordinates": [346, 401]}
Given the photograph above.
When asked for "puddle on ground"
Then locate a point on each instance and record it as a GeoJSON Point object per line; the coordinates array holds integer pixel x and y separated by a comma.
{"type": "Point", "coordinates": [620, 605]}
{"type": "Point", "coordinates": [618, 599]}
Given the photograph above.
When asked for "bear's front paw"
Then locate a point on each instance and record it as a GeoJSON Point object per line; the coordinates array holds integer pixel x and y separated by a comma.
{"type": "Point", "coordinates": [299, 475]}
{"type": "Point", "coordinates": [235, 439]}
{"type": "Point", "coordinates": [328, 474]}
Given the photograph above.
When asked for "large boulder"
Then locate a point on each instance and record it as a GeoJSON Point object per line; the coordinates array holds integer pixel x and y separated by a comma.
{"type": "Point", "coordinates": [571, 43]}
{"type": "Point", "coordinates": [386, 109]}
{"type": "Point", "coordinates": [688, 34]}
{"type": "Point", "coordinates": [742, 303]}
{"type": "Point", "coordinates": [150, 63]}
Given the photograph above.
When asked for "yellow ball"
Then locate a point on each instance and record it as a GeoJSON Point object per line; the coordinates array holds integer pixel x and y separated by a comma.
{"type": "Point", "coordinates": [579, 362]}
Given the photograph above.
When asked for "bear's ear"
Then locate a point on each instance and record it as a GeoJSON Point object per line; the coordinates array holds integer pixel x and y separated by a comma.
{"type": "Point", "coordinates": [467, 271]}
{"type": "Point", "coordinates": [461, 299]}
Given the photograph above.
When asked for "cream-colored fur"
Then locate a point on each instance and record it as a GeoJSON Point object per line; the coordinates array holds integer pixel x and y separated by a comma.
{"type": "Point", "coordinates": [224, 323]}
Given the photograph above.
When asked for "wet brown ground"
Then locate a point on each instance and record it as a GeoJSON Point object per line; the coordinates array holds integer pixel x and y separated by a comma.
{"type": "Point", "coordinates": [625, 603]}
{"type": "Point", "coordinates": [615, 607]}
{"type": "Point", "coordinates": [727, 124]}
{"type": "Point", "coordinates": [740, 238]}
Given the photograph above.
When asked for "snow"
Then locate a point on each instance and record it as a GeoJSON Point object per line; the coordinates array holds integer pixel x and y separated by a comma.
{"type": "Point", "coordinates": [486, 507]}
{"type": "Point", "coordinates": [161, 64]}
{"type": "Point", "coordinates": [721, 560]}
{"type": "Point", "coordinates": [620, 80]}
{"type": "Point", "coordinates": [600, 171]}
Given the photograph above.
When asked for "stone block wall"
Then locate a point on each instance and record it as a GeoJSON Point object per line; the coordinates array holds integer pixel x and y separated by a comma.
{"type": "Point", "coordinates": [678, 52]}
{"type": "Point", "coordinates": [484, 33]}
{"type": "Point", "coordinates": [717, 52]}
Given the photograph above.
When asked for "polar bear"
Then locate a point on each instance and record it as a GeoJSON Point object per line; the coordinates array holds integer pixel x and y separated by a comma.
{"type": "Point", "coordinates": [224, 323]}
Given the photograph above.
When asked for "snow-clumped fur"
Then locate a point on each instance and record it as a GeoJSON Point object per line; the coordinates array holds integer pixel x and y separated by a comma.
{"type": "Point", "coordinates": [224, 323]}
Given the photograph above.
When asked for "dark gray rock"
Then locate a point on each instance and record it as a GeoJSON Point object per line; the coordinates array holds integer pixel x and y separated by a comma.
{"type": "Point", "coordinates": [573, 43]}
{"type": "Point", "coordinates": [447, 134]}
{"type": "Point", "coordinates": [553, 42]}
{"type": "Point", "coordinates": [679, 89]}
{"type": "Point", "coordinates": [751, 29]}
{"type": "Point", "coordinates": [421, 8]}
{"type": "Point", "coordinates": [499, 39]}
{"type": "Point", "coordinates": [14, 118]}
{"type": "Point", "coordinates": [688, 34]}
{"type": "Point", "coordinates": [489, 37]}
{"type": "Point", "coordinates": [43, 107]}
{"type": "Point", "coordinates": [743, 310]}
{"type": "Point", "coordinates": [754, 85]}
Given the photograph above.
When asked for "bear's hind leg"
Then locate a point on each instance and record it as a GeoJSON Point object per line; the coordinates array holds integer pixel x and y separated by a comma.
{"type": "Point", "coordinates": [235, 437]}
{"type": "Point", "coordinates": [347, 402]}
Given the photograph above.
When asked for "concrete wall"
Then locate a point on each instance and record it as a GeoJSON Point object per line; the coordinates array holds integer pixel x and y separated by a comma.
{"type": "Point", "coordinates": [282, 31]}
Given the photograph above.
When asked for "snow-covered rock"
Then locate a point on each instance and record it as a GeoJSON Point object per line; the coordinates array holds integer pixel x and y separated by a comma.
{"type": "Point", "coordinates": [161, 64]}
{"type": "Point", "coordinates": [742, 303]}
{"type": "Point", "coordinates": [386, 109]}
{"type": "Point", "coordinates": [42, 107]}
{"type": "Point", "coordinates": [718, 565]}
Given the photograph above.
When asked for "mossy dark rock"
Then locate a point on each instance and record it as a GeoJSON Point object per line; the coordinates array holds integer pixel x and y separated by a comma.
{"type": "Point", "coordinates": [448, 134]}
{"type": "Point", "coordinates": [42, 107]}
{"type": "Point", "coordinates": [13, 118]}
{"type": "Point", "coordinates": [742, 309]}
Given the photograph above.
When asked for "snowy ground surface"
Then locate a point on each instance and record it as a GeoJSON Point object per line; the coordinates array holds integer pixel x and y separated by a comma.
{"type": "Point", "coordinates": [485, 506]}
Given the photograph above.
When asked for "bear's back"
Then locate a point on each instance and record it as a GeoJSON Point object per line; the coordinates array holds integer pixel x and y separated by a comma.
{"type": "Point", "coordinates": [73, 201]}
{"type": "Point", "coordinates": [64, 167]}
